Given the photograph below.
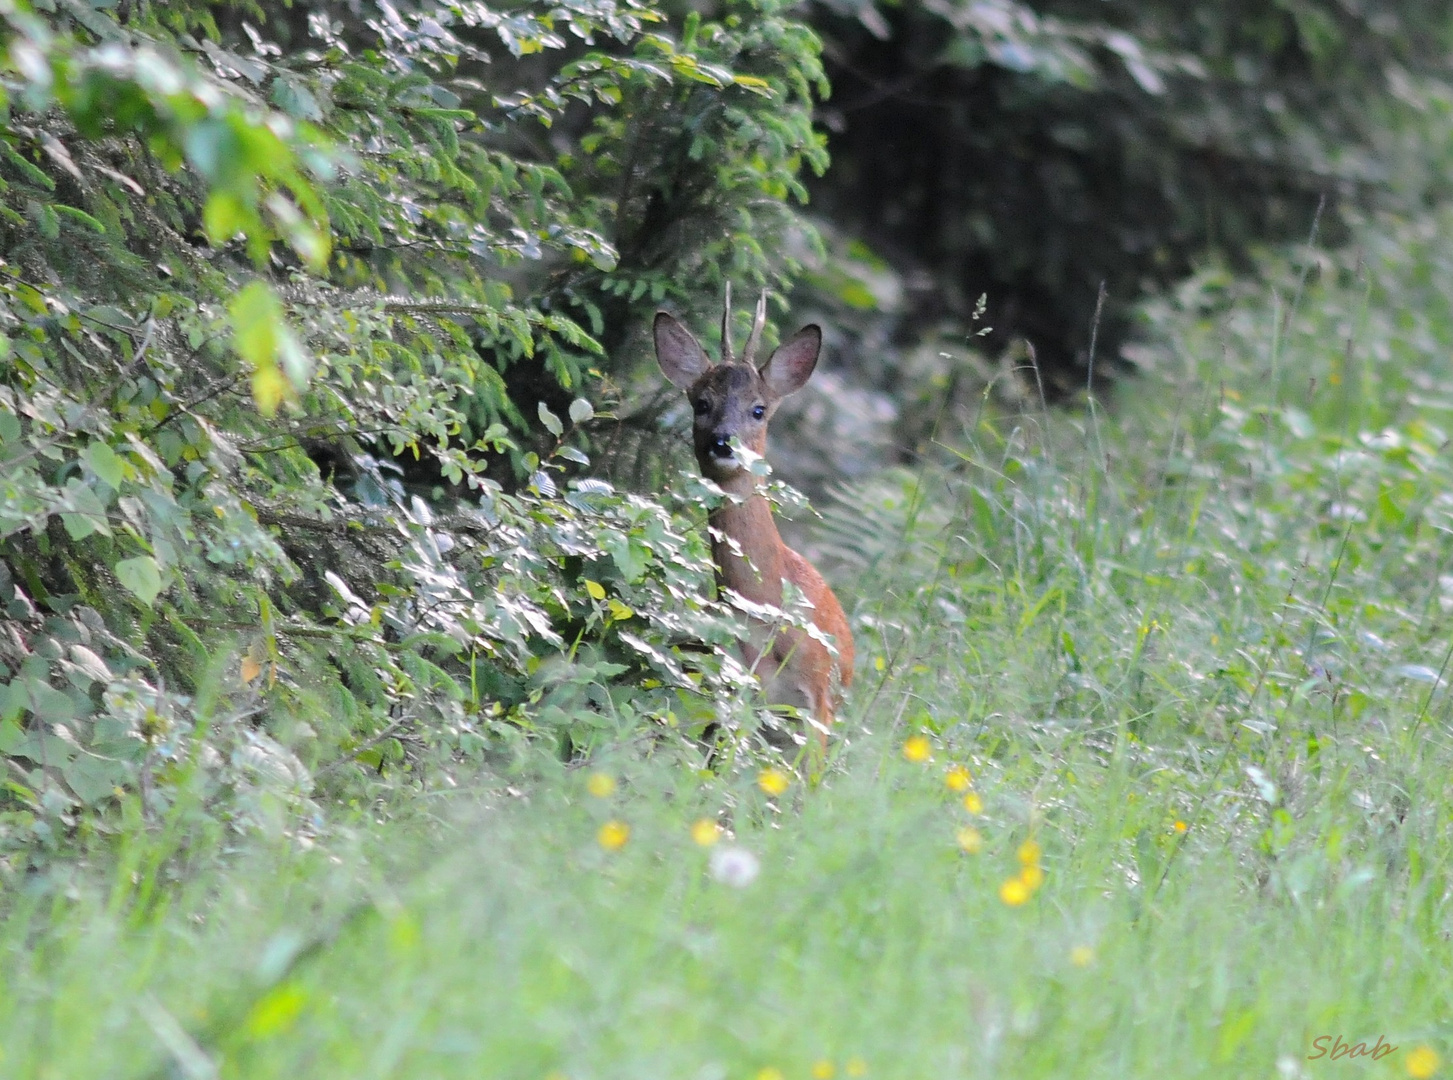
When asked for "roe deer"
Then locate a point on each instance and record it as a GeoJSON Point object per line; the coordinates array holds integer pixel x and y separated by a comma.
{"type": "Point", "coordinates": [734, 400]}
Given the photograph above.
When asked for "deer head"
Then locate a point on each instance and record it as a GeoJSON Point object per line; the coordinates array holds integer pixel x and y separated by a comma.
{"type": "Point", "coordinates": [733, 399]}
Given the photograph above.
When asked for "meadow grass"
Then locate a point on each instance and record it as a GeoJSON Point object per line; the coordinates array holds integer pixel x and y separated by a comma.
{"type": "Point", "coordinates": [1145, 774]}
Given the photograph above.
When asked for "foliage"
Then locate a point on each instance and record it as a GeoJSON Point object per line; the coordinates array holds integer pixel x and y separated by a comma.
{"type": "Point", "coordinates": [288, 498]}
{"type": "Point", "coordinates": [1185, 663]}
{"type": "Point", "coordinates": [1233, 587]}
{"type": "Point", "coordinates": [1178, 670]}
{"type": "Point", "coordinates": [1039, 151]}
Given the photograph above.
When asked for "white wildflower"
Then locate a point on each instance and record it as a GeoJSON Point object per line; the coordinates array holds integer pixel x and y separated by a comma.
{"type": "Point", "coordinates": [734, 866]}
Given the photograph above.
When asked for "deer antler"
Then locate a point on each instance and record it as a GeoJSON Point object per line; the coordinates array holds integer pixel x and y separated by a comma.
{"type": "Point", "coordinates": [726, 326]}
{"type": "Point", "coordinates": [749, 351]}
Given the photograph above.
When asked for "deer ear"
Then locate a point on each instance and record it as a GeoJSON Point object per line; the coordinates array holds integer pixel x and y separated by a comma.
{"type": "Point", "coordinates": [681, 358]}
{"type": "Point", "coordinates": [790, 365]}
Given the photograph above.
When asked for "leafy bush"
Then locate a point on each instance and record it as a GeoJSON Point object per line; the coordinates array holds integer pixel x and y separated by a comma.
{"type": "Point", "coordinates": [287, 495]}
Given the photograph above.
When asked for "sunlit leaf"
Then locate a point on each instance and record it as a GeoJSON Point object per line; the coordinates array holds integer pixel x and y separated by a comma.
{"type": "Point", "coordinates": [141, 576]}
{"type": "Point", "coordinates": [550, 420]}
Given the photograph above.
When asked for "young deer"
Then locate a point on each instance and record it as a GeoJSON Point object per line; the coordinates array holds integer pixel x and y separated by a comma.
{"type": "Point", "coordinates": [735, 400]}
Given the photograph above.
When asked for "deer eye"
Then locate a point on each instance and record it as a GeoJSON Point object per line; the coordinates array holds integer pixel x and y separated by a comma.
{"type": "Point", "coordinates": [759, 412]}
{"type": "Point", "coordinates": [702, 406]}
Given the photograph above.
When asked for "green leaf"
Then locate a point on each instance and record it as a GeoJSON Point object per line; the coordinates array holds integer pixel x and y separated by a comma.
{"type": "Point", "coordinates": [79, 526]}
{"type": "Point", "coordinates": [630, 559]}
{"type": "Point", "coordinates": [550, 420]}
{"type": "Point", "coordinates": [141, 576]}
{"type": "Point", "coordinates": [581, 411]}
{"type": "Point", "coordinates": [269, 389]}
{"type": "Point", "coordinates": [570, 453]}
{"type": "Point", "coordinates": [224, 216]}
{"type": "Point", "coordinates": [106, 464]}
{"type": "Point", "coordinates": [212, 148]}
{"type": "Point", "coordinates": [295, 361]}
{"type": "Point", "coordinates": [256, 314]}
{"type": "Point", "coordinates": [25, 168]}
{"type": "Point", "coordinates": [81, 217]}
{"type": "Point", "coordinates": [261, 336]}
{"type": "Point", "coordinates": [49, 704]}
{"type": "Point", "coordinates": [89, 664]}
{"type": "Point", "coordinates": [754, 84]}
{"type": "Point", "coordinates": [14, 700]}
{"type": "Point", "coordinates": [84, 512]}
{"type": "Point", "coordinates": [95, 778]}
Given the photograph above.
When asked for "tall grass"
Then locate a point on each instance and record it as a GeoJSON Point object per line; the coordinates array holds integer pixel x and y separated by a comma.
{"type": "Point", "coordinates": [1193, 647]}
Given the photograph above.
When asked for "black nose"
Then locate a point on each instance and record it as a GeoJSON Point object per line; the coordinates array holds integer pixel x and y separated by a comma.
{"type": "Point", "coordinates": [721, 446]}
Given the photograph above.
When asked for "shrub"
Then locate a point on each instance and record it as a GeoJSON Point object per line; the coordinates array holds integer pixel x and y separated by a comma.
{"type": "Point", "coordinates": [300, 348]}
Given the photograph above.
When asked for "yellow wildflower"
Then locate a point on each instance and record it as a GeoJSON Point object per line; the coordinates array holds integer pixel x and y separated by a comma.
{"type": "Point", "coordinates": [613, 835]}
{"type": "Point", "coordinates": [1180, 826]}
{"type": "Point", "coordinates": [855, 1067]}
{"type": "Point", "coordinates": [1032, 876]}
{"type": "Point", "coordinates": [1029, 853]}
{"type": "Point", "coordinates": [971, 842]}
{"type": "Point", "coordinates": [1014, 892]}
{"type": "Point", "coordinates": [773, 781]}
{"type": "Point", "coordinates": [1082, 956]}
{"type": "Point", "coordinates": [823, 1070]}
{"type": "Point", "coordinates": [958, 778]}
{"type": "Point", "coordinates": [601, 785]}
{"type": "Point", "coordinates": [917, 749]}
{"type": "Point", "coordinates": [1422, 1062]}
{"type": "Point", "coordinates": [771, 1072]}
{"type": "Point", "coordinates": [973, 804]}
{"type": "Point", "coordinates": [705, 832]}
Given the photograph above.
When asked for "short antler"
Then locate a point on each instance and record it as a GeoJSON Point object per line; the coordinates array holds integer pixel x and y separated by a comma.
{"type": "Point", "coordinates": [749, 351]}
{"type": "Point", "coordinates": [726, 326]}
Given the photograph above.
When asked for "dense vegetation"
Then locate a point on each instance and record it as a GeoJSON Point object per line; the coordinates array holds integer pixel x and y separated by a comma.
{"type": "Point", "coordinates": [348, 714]}
{"type": "Point", "coordinates": [293, 340]}
{"type": "Point", "coordinates": [1192, 651]}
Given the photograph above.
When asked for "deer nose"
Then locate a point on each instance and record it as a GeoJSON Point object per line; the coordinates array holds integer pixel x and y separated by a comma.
{"type": "Point", "coordinates": [721, 446]}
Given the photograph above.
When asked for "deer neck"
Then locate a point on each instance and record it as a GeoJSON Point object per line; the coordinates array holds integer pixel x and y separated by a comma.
{"type": "Point", "coordinates": [746, 545]}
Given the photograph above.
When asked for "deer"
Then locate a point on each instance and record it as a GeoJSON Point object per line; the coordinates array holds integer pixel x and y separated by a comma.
{"type": "Point", "coordinates": [733, 401]}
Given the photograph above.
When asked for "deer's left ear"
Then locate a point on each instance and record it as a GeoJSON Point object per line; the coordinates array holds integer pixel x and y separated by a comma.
{"type": "Point", "coordinates": [791, 363]}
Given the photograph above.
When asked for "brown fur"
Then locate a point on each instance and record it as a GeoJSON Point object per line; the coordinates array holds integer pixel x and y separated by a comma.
{"type": "Point", "coordinates": [750, 556]}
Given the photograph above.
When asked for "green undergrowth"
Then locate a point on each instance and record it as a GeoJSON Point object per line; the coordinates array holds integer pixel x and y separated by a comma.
{"type": "Point", "coordinates": [866, 941]}
{"type": "Point", "coordinates": [1191, 646]}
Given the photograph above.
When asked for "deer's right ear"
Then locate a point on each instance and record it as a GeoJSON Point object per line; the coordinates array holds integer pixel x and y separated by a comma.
{"type": "Point", "coordinates": [680, 356]}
